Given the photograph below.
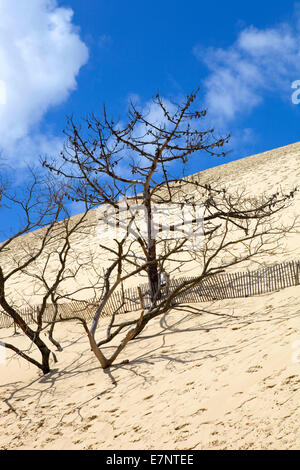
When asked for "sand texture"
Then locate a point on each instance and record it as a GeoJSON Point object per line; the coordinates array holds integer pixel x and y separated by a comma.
{"type": "Point", "coordinates": [205, 381]}
{"type": "Point", "coordinates": [227, 377]}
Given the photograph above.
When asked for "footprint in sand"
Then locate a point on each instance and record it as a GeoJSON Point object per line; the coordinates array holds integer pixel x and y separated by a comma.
{"type": "Point", "coordinates": [253, 369]}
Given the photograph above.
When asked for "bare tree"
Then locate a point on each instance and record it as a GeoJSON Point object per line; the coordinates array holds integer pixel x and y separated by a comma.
{"type": "Point", "coordinates": [127, 170]}
{"type": "Point", "coordinates": [43, 240]}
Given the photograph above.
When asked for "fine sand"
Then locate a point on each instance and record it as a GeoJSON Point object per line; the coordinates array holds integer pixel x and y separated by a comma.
{"type": "Point", "coordinates": [229, 379]}
{"type": "Point", "coordinates": [226, 378]}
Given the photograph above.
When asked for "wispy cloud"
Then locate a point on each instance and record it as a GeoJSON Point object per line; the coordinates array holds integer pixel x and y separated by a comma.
{"type": "Point", "coordinates": [155, 115]}
{"type": "Point", "coordinates": [41, 54]}
{"type": "Point", "coordinates": [259, 63]}
{"type": "Point", "coordinates": [104, 41]}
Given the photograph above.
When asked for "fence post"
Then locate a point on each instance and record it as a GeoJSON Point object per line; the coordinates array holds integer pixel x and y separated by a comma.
{"type": "Point", "coordinates": [140, 297]}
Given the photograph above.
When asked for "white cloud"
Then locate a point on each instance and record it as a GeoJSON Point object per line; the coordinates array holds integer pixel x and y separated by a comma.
{"type": "Point", "coordinates": [259, 63]}
{"type": "Point", "coordinates": [41, 54]}
{"type": "Point", "coordinates": [155, 115]}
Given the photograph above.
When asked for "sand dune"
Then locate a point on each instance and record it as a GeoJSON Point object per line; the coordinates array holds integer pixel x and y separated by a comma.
{"type": "Point", "coordinates": [226, 378]}
{"type": "Point", "coordinates": [226, 381]}
{"type": "Point", "coordinates": [265, 173]}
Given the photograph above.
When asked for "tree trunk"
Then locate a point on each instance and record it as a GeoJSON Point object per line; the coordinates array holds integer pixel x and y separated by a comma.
{"type": "Point", "coordinates": [45, 358]}
{"type": "Point", "coordinates": [153, 272]}
{"type": "Point", "coordinates": [31, 334]}
{"type": "Point", "coordinates": [153, 269]}
{"type": "Point", "coordinates": [53, 341]}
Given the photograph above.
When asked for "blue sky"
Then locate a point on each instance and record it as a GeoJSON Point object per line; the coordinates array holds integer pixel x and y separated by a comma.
{"type": "Point", "coordinates": [72, 56]}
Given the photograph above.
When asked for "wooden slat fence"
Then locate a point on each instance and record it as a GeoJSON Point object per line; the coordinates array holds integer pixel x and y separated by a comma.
{"type": "Point", "coordinates": [216, 287]}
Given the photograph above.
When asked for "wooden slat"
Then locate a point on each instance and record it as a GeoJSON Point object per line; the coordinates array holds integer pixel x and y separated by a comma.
{"type": "Point", "coordinates": [227, 285]}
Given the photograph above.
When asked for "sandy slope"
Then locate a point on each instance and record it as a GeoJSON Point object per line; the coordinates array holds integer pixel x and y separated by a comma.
{"type": "Point", "coordinates": [268, 172]}
{"type": "Point", "coordinates": [193, 382]}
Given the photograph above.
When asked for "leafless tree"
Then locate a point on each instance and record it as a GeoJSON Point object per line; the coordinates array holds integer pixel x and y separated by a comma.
{"type": "Point", "coordinates": [128, 169]}
{"type": "Point", "coordinates": [42, 240]}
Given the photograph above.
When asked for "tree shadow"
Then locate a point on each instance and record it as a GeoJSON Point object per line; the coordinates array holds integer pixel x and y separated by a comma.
{"type": "Point", "coordinates": [168, 325]}
{"type": "Point", "coordinates": [203, 351]}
